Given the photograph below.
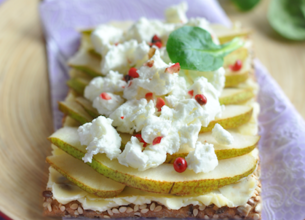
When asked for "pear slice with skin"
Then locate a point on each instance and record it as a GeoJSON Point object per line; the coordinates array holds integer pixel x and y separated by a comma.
{"type": "Point", "coordinates": [86, 62]}
{"type": "Point", "coordinates": [232, 117]}
{"type": "Point", "coordinates": [231, 96]}
{"type": "Point", "coordinates": [225, 34]}
{"type": "Point", "coordinates": [75, 111]}
{"type": "Point", "coordinates": [87, 105]}
{"type": "Point", "coordinates": [235, 78]}
{"type": "Point", "coordinates": [240, 54]}
{"type": "Point", "coordinates": [242, 144]}
{"type": "Point", "coordinates": [84, 176]}
{"type": "Point", "coordinates": [78, 84]}
{"type": "Point", "coordinates": [75, 73]}
{"type": "Point", "coordinates": [162, 179]}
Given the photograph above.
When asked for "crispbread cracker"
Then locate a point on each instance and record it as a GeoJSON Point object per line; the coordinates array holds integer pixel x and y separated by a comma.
{"type": "Point", "coordinates": [252, 210]}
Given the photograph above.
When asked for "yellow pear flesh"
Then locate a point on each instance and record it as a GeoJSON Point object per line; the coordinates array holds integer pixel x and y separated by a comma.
{"type": "Point", "coordinates": [78, 85]}
{"type": "Point", "coordinates": [226, 34]}
{"type": "Point", "coordinates": [231, 96]}
{"type": "Point", "coordinates": [232, 117]}
{"type": "Point", "coordinates": [235, 78]}
{"type": "Point", "coordinates": [75, 111]}
{"type": "Point", "coordinates": [84, 176]}
{"type": "Point", "coordinates": [86, 62]}
{"type": "Point", "coordinates": [87, 105]}
{"type": "Point", "coordinates": [241, 145]}
{"type": "Point", "coordinates": [241, 54]}
{"type": "Point", "coordinates": [162, 179]}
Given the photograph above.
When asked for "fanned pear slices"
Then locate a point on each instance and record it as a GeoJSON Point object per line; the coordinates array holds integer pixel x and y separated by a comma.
{"type": "Point", "coordinates": [232, 117]}
{"type": "Point", "coordinates": [87, 105]}
{"type": "Point", "coordinates": [231, 96]}
{"type": "Point", "coordinates": [78, 84]}
{"type": "Point", "coordinates": [162, 179]}
{"type": "Point", "coordinates": [84, 176]}
{"type": "Point", "coordinates": [75, 111]}
{"type": "Point", "coordinates": [226, 34]}
{"type": "Point", "coordinates": [235, 78]}
{"type": "Point", "coordinates": [241, 145]}
{"type": "Point", "coordinates": [85, 61]}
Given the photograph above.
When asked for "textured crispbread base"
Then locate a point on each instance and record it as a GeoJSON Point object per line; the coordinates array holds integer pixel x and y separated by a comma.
{"type": "Point", "coordinates": [74, 209]}
{"type": "Point", "coordinates": [251, 210]}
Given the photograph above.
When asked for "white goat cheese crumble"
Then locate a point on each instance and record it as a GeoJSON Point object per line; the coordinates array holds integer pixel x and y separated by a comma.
{"type": "Point", "coordinates": [154, 154]}
{"type": "Point", "coordinates": [144, 30]}
{"type": "Point", "coordinates": [107, 106]}
{"type": "Point", "coordinates": [113, 82]}
{"type": "Point", "coordinates": [123, 56]}
{"type": "Point", "coordinates": [160, 127]}
{"type": "Point", "coordinates": [156, 78]}
{"type": "Point", "coordinates": [136, 157]}
{"type": "Point", "coordinates": [104, 36]}
{"type": "Point", "coordinates": [132, 115]}
{"type": "Point", "coordinates": [153, 79]}
{"type": "Point", "coordinates": [100, 137]}
{"type": "Point", "coordinates": [202, 159]}
{"type": "Point", "coordinates": [212, 108]}
{"type": "Point", "coordinates": [221, 135]}
{"type": "Point", "coordinates": [176, 13]}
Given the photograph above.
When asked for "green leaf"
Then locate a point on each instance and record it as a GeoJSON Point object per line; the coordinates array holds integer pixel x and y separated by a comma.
{"type": "Point", "coordinates": [194, 49]}
{"type": "Point", "coordinates": [288, 18]}
{"type": "Point", "coordinates": [245, 5]}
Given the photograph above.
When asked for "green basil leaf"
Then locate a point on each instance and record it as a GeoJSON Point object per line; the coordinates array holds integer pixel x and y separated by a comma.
{"type": "Point", "coordinates": [245, 5]}
{"type": "Point", "coordinates": [288, 18]}
{"type": "Point", "coordinates": [194, 49]}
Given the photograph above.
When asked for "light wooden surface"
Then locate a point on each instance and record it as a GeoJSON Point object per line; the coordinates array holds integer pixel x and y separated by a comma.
{"type": "Point", "coordinates": [25, 112]}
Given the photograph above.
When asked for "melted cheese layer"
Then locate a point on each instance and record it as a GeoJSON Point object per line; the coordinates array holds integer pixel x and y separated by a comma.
{"type": "Point", "coordinates": [232, 195]}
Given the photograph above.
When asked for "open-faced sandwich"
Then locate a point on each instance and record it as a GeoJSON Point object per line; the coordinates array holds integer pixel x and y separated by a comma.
{"type": "Point", "coordinates": [160, 121]}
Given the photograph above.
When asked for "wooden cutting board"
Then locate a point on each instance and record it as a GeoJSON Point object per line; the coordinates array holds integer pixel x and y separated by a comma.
{"type": "Point", "coordinates": [25, 111]}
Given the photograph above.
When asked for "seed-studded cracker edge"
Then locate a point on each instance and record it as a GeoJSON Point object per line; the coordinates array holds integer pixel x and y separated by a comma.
{"type": "Point", "coordinates": [251, 210]}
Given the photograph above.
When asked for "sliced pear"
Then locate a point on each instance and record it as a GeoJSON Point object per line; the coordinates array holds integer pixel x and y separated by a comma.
{"type": "Point", "coordinates": [240, 54]}
{"type": "Point", "coordinates": [231, 96]}
{"type": "Point", "coordinates": [78, 84]}
{"type": "Point", "coordinates": [86, 62]}
{"type": "Point", "coordinates": [86, 31]}
{"type": "Point", "coordinates": [84, 176]}
{"type": "Point", "coordinates": [70, 122]}
{"type": "Point", "coordinates": [232, 117]}
{"type": "Point", "coordinates": [242, 144]}
{"type": "Point", "coordinates": [87, 105]}
{"type": "Point", "coordinates": [162, 179]}
{"type": "Point", "coordinates": [86, 41]}
{"type": "Point", "coordinates": [74, 73]}
{"type": "Point", "coordinates": [226, 34]}
{"type": "Point", "coordinates": [87, 45]}
{"type": "Point", "coordinates": [235, 78]}
{"type": "Point", "coordinates": [75, 111]}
